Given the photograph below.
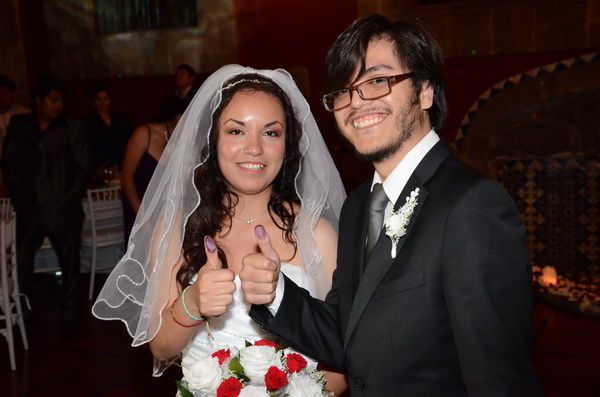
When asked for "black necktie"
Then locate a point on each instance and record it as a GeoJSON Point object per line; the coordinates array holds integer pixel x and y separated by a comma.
{"type": "Point", "coordinates": [378, 200]}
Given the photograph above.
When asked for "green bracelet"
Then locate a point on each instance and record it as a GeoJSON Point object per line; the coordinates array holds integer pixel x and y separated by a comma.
{"type": "Point", "coordinates": [187, 311]}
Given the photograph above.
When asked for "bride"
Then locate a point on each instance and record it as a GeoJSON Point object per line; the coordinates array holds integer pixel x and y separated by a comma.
{"type": "Point", "coordinates": [246, 155]}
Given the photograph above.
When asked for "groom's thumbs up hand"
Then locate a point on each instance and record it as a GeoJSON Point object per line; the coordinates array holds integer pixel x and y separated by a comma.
{"type": "Point", "coordinates": [214, 288]}
{"type": "Point", "coordinates": [260, 271]}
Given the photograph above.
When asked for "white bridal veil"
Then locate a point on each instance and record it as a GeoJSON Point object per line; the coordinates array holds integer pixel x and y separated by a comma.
{"type": "Point", "coordinates": [137, 290]}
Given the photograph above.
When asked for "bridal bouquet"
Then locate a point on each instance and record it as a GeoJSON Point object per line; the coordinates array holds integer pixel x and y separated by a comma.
{"type": "Point", "coordinates": [259, 369]}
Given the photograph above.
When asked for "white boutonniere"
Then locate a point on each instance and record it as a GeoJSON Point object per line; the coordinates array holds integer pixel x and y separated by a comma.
{"type": "Point", "coordinates": [395, 225]}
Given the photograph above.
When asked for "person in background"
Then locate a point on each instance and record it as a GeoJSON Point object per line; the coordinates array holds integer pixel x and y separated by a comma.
{"type": "Point", "coordinates": [109, 131]}
{"type": "Point", "coordinates": [185, 77]}
{"type": "Point", "coordinates": [432, 291]}
{"type": "Point", "coordinates": [144, 149]}
{"type": "Point", "coordinates": [8, 106]}
{"type": "Point", "coordinates": [47, 166]}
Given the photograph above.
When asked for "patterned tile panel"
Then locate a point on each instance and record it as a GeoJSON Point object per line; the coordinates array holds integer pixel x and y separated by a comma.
{"type": "Point", "coordinates": [559, 200]}
{"type": "Point", "coordinates": [511, 82]}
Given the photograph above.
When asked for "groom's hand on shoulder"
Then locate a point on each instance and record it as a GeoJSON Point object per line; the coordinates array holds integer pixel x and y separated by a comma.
{"type": "Point", "coordinates": [260, 271]}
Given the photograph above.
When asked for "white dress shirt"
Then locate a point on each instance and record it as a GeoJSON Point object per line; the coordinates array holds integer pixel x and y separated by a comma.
{"type": "Point", "coordinates": [396, 180]}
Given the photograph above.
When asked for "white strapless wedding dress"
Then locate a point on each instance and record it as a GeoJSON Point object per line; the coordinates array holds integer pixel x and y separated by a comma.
{"type": "Point", "coordinates": [233, 328]}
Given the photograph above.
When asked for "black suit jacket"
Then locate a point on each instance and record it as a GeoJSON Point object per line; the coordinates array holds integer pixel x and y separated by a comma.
{"type": "Point", "coordinates": [451, 315]}
{"type": "Point", "coordinates": [47, 172]}
{"type": "Point", "coordinates": [108, 143]}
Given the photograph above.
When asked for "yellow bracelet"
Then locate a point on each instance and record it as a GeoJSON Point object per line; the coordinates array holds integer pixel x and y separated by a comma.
{"type": "Point", "coordinates": [187, 311]}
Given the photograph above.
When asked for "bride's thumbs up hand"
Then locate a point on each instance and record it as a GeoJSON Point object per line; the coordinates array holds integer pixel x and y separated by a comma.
{"type": "Point", "coordinates": [214, 288]}
{"type": "Point", "coordinates": [260, 271]}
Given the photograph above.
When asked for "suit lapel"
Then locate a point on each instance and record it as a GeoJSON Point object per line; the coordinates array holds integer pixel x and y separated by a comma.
{"type": "Point", "coordinates": [360, 235]}
{"type": "Point", "coordinates": [380, 259]}
{"type": "Point", "coordinates": [353, 230]}
{"type": "Point", "coordinates": [359, 246]}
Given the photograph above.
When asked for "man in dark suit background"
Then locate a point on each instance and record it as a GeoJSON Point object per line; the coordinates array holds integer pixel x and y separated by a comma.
{"type": "Point", "coordinates": [185, 78]}
{"type": "Point", "coordinates": [47, 165]}
{"type": "Point", "coordinates": [445, 309]}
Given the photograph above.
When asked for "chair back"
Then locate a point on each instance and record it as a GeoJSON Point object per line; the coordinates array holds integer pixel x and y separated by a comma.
{"type": "Point", "coordinates": [9, 288]}
{"type": "Point", "coordinates": [8, 245]}
{"type": "Point", "coordinates": [8, 251]}
{"type": "Point", "coordinates": [105, 212]}
{"type": "Point", "coordinates": [6, 208]}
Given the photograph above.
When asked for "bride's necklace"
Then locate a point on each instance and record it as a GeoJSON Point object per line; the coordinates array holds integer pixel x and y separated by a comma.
{"type": "Point", "coordinates": [249, 221]}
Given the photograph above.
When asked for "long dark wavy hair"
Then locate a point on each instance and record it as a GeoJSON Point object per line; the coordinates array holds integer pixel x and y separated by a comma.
{"type": "Point", "coordinates": [218, 201]}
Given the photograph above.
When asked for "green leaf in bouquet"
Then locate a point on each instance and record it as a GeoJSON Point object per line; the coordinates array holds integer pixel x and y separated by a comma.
{"type": "Point", "coordinates": [182, 386]}
{"type": "Point", "coordinates": [248, 344]}
{"type": "Point", "coordinates": [236, 367]}
{"type": "Point", "coordinates": [280, 344]}
{"type": "Point", "coordinates": [281, 347]}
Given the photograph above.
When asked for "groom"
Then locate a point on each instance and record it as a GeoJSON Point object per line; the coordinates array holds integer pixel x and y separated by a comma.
{"type": "Point", "coordinates": [439, 304]}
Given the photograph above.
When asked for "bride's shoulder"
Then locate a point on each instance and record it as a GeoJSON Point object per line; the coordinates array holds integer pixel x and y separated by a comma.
{"type": "Point", "coordinates": [324, 229]}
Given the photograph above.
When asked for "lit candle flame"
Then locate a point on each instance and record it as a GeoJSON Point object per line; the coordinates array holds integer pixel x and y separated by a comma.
{"type": "Point", "coordinates": [548, 276]}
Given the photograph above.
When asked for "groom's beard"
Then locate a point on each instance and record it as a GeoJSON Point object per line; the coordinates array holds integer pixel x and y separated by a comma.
{"type": "Point", "coordinates": [407, 121]}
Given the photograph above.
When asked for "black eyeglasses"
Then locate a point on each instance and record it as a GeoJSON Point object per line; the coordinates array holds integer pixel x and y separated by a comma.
{"type": "Point", "coordinates": [369, 89]}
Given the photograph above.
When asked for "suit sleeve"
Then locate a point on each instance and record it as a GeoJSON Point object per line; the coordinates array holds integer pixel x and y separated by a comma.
{"type": "Point", "coordinates": [83, 161]}
{"type": "Point", "coordinates": [307, 324]}
{"type": "Point", "coordinates": [487, 287]}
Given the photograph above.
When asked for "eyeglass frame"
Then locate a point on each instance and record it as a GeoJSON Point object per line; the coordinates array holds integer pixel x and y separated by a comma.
{"type": "Point", "coordinates": [391, 81]}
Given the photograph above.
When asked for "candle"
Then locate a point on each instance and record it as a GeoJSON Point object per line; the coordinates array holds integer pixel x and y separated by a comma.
{"type": "Point", "coordinates": [548, 276]}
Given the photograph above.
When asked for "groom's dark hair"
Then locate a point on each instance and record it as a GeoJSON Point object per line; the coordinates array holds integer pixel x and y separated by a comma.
{"type": "Point", "coordinates": [416, 48]}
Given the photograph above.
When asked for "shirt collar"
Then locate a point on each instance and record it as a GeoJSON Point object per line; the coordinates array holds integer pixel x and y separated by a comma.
{"type": "Point", "coordinates": [396, 180]}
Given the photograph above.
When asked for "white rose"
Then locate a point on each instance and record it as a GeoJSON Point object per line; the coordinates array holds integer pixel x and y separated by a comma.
{"type": "Point", "coordinates": [256, 360]}
{"type": "Point", "coordinates": [254, 391]}
{"type": "Point", "coordinates": [304, 386]}
{"type": "Point", "coordinates": [395, 222]}
{"type": "Point", "coordinates": [204, 375]}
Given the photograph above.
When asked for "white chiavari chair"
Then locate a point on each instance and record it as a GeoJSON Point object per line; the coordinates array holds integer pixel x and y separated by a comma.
{"type": "Point", "coordinates": [105, 212]}
{"type": "Point", "coordinates": [10, 296]}
{"type": "Point", "coordinates": [6, 208]}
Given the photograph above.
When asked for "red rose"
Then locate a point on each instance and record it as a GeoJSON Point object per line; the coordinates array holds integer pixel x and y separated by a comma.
{"type": "Point", "coordinates": [295, 362]}
{"type": "Point", "coordinates": [265, 342]}
{"type": "Point", "coordinates": [229, 388]}
{"type": "Point", "coordinates": [275, 379]}
{"type": "Point", "coordinates": [222, 355]}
